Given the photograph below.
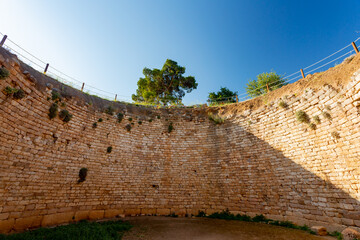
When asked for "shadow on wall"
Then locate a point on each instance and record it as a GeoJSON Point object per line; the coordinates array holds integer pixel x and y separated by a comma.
{"type": "Point", "coordinates": [253, 177]}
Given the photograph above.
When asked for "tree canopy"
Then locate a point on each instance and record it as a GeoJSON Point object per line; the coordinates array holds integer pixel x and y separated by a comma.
{"type": "Point", "coordinates": [264, 83]}
{"type": "Point", "coordinates": [164, 86]}
{"type": "Point", "coordinates": [224, 95]}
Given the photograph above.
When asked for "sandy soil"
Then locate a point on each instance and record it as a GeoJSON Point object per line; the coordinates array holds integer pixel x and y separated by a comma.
{"type": "Point", "coordinates": [210, 229]}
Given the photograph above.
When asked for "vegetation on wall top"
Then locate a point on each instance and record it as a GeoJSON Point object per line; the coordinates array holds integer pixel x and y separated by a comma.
{"type": "Point", "coordinates": [164, 86]}
{"type": "Point", "coordinates": [223, 96]}
{"type": "Point", "coordinates": [264, 83]}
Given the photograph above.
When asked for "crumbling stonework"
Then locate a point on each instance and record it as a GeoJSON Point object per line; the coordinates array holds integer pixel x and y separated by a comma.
{"type": "Point", "coordinates": [257, 162]}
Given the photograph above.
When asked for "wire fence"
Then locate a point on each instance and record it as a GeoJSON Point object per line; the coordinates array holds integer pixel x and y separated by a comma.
{"type": "Point", "coordinates": [38, 64]}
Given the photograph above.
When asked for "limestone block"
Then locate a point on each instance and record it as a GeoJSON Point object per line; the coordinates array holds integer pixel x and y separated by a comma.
{"type": "Point", "coordinates": [57, 218]}
{"type": "Point", "coordinates": [350, 234]}
{"type": "Point", "coordinates": [96, 214]}
{"type": "Point", "coordinates": [319, 230]}
{"type": "Point", "coordinates": [28, 222]}
{"type": "Point", "coordinates": [6, 225]}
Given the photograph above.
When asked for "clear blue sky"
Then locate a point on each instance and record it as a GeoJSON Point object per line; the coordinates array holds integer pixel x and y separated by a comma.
{"type": "Point", "coordinates": [222, 43]}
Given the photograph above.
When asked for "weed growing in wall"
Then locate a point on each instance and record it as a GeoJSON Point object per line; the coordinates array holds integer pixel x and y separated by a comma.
{"type": "Point", "coordinates": [53, 111]}
{"type": "Point", "coordinates": [283, 104]}
{"type": "Point", "coordinates": [150, 120]}
{"type": "Point", "coordinates": [109, 149]}
{"type": "Point", "coordinates": [170, 127]}
{"type": "Point", "coordinates": [327, 115]}
{"type": "Point", "coordinates": [301, 116]}
{"type": "Point", "coordinates": [128, 127]}
{"type": "Point", "coordinates": [8, 91]}
{"type": "Point", "coordinates": [139, 122]}
{"type": "Point", "coordinates": [336, 234]}
{"type": "Point", "coordinates": [335, 135]}
{"type": "Point", "coordinates": [109, 110]}
{"type": "Point", "coordinates": [65, 116]}
{"type": "Point", "coordinates": [120, 117]}
{"type": "Point", "coordinates": [215, 118]}
{"type": "Point", "coordinates": [158, 116]}
{"type": "Point", "coordinates": [312, 126]}
{"type": "Point", "coordinates": [4, 73]}
{"type": "Point", "coordinates": [100, 120]}
{"type": "Point", "coordinates": [316, 119]}
{"type": "Point", "coordinates": [82, 175]}
{"type": "Point", "coordinates": [55, 96]}
{"type": "Point", "coordinates": [18, 94]}
{"type": "Point", "coordinates": [94, 125]}
{"type": "Point", "coordinates": [130, 119]}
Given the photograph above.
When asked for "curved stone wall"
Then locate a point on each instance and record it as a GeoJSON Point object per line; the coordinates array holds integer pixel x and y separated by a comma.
{"type": "Point", "coordinates": [257, 162]}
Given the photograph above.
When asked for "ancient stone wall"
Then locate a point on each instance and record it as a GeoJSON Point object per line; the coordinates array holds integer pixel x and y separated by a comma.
{"type": "Point", "coordinates": [256, 162]}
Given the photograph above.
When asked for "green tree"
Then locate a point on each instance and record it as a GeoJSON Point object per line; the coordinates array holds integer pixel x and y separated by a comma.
{"type": "Point", "coordinates": [164, 86]}
{"type": "Point", "coordinates": [224, 95]}
{"type": "Point", "coordinates": [264, 83]}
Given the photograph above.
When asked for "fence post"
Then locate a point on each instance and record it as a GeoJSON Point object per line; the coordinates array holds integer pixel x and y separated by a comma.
{"type": "Point", "coordinates": [46, 68]}
{"type": "Point", "coordinates": [3, 40]}
{"type": "Point", "coordinates": [355, 47]}
{"type": "Point", "coordinates": [237, 99]}
{"type": "Point", "coordinates": [82, 87]}
{"type": "Point", "coordinates": [115, 97]}
{"type": "Point", "coordinates": [302, 73]}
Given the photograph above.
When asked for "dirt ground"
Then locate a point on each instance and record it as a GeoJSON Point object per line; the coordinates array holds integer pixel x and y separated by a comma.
{"type": "Point", "coordinates": [210, 229]}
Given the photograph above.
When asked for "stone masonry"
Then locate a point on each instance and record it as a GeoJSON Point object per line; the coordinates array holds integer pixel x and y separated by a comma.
{"type": "Point", "coordinates": [257, 162]}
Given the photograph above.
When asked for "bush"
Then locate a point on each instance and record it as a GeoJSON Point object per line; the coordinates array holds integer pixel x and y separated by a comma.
{"type": "Point", "coordinates": [170, 127]}
{"type": "Point", "coordinates": [65, 116]}
{"type": "Point", "coordinates": [216, 119]}
{"type": "Point", "coordinates": [4, 73]}
{"type": "Point", "coordinates": [82, 174]}
{"type": "Point", "coordinates": [301, 116]}
{"type": "Point", "coordinates": [283, 104]}
{"type": "Point", "coordinates": [316, 119]}
{"type": "Point", "coordinates": [201, 214]}
{"type": "Point", "coordinates": [109, 230]}
{"type": "Point", "coordinates": [260, 218]}
{"type": "Point", "coordinates": [336, 234]}
{"type": "Point", "coordinates": [120, 117]}
{"type": "Point", "coordinates": [53, 111]}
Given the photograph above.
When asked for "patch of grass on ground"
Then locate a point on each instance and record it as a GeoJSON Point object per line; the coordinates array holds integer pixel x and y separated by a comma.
{"type": "Point", "coordinates": [258, 218]}
{"type": "Point", "coordinates": [83, 230]}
